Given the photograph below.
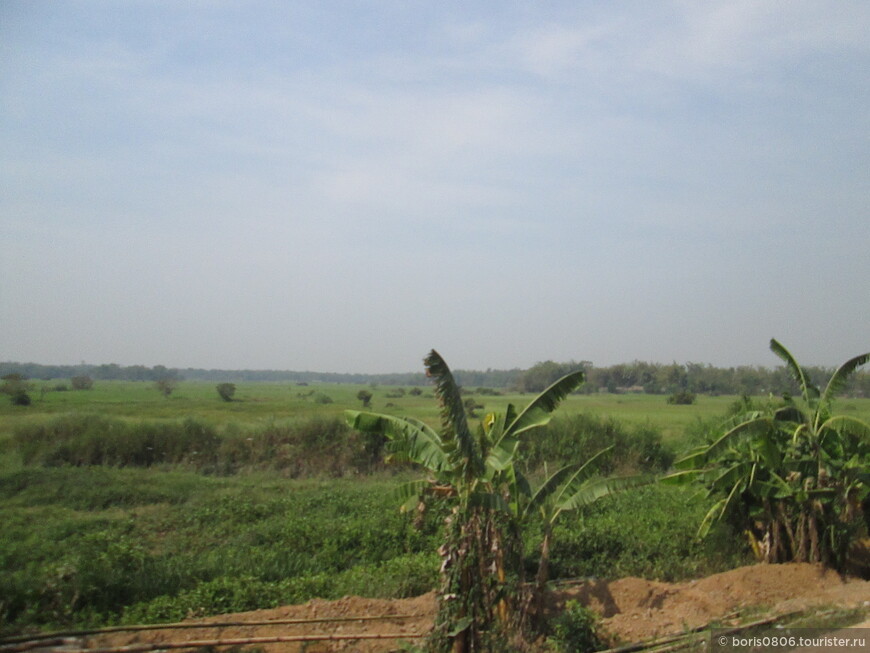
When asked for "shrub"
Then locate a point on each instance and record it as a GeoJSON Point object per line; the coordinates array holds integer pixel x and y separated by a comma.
{"type": "Point", "coordinates": [166, 386]}
{"type": "Point", "coordinates": [94, 440]}
{"type": "Point", "coordinates": [307, 448]}
{"type": "Point", "coordinates": [322, 398]}
{"type": "Point", "coordinates": [682, 398]}
{"type": "Point", "coordinates": [21, 398]}
{"type": "Point", "coordinates": [576, 630]}
{"type": "Point", "coordinates": [16, 386]}
{"type": "Point", "coordinates": [226, 391]}
{"type": "Point", "coordinates": [570, 439]}
{"type": "Point", "coordinates": [82, 382]}
{"type": "Point", "coordinates": [633, 534]}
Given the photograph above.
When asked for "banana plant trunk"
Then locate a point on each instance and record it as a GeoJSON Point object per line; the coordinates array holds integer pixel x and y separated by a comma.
{"type": "Point", "coordinates": [543, 575]}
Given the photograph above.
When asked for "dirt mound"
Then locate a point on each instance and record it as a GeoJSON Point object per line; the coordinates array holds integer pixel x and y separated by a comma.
{"type": "Point", "coordinates": [633, 609]}
{"type": "Point", "coordinates": [636, 609]}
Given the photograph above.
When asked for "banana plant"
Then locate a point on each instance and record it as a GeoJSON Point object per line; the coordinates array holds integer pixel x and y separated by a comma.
{"type": "Point", "coordinates": [566, 490]}
{"type": "Point", "coordinates": [796, 474]}
{"type": "Point", "coordinates": [475, 471]}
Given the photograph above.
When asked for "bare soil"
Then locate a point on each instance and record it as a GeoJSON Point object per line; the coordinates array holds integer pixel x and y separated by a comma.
{"type": "Point", "coordinates": [633, 609]}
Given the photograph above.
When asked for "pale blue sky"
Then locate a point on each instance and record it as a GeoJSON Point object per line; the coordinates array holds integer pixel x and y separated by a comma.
{"type": "Point", "coordinates": [341, 186]}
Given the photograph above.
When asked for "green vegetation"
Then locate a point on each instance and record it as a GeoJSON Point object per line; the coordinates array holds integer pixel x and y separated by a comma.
{"type": "Point", "coordinates": [481, 600]}
{"type": "Point", "coordinates": [121, 505]}
{"type": "Point", "coordinates": [101, 545]}
{"type": "Point", "coordinates": [794, 475]}
{"type": "Point", "coordinates": [226, 391]}
{"type": "Point", "coordinates": [576, 630]}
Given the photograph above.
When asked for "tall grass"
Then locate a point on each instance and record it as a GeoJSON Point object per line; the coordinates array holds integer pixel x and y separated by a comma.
{"type": "Point", "coordinates": [574, 438]}
{"type": "Point", "coordinates": [297, 448]}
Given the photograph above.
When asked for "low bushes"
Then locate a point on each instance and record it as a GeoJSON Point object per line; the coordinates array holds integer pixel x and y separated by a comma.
{"type": "Point", "coordinates": [307, 448]}
{"type": "Point", "coordinates": [648, 532]}
{"type": "Point", "coordinates": [81, 440]}
{"type": "Point", "coordinates": [571, 439]}
{"type": "Point", "coordinates": [194, 544]}
{"type": "Point", "coordinates": [317, 446]}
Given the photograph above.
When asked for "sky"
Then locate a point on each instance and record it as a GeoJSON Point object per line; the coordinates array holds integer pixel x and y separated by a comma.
{"type": "Point", "coordinates": [343, 186]}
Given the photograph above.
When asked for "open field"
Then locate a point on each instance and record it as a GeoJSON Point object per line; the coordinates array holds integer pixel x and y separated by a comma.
{"type": "Point", "coordinates": [258, 402]}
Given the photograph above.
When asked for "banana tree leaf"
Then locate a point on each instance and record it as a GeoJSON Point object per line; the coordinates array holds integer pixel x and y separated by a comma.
{"type": "Point", "coordinates": [592, 490]}
{"type": "Point", "coordinates": [453, 421]}
{"type": "Point", "coordinates": [714, 514]}
{"type": "Point", "coordinates": [412, 439]}
{"type": "Point", "coordinates": [840, 377]}
{"type": "Point", "coordinates": [407, 495]}
{"type": "Point", "coordinates": [808, 390]}
{"type": "Point", "coordinates": [683, 477]}
{"type": "Point", "coordinates": [539, 411]}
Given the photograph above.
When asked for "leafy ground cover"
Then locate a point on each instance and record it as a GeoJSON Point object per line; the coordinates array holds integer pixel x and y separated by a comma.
{"type": "Point", "coordinates": [97, 545]}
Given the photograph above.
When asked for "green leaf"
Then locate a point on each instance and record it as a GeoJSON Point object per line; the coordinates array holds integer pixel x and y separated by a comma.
{"type": "Point", "coordinates": [682, 477]}
{"type": "Point", "coordinates": [839, 378]}
{"type": "Point", "coordinates": [459, 626]}
{"type": "Point", "coordinates": [412, 438]}
{"type": "Point", "coordinates": [453, 421]}
{"type": "Point", "coordinates": [591, 491]}
{"type": "Point", "coordinates": [712, 515]}
{"type": "Point", "coordinates": [538, 412]}
{"type": "Point", "coordinates": [754, 421]}
{"type": "Point", "coordinates": [808, 390]}
{"type": "Point", "coordinates": [502, 456]}
{"type": "Point", "coordinates": [408, 494]}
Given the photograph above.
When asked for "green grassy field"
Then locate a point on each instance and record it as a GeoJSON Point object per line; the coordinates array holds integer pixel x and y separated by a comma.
{"type": "Point", "coordinates": [257, 402]}
{"type": "Point", "coordinates": [134, 541]}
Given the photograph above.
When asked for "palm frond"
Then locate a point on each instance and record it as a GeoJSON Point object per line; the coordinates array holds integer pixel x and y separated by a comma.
{"type": "Point", "coordinates": [453, 420]}
{"type": "Point", "coordinates": [682, 477]}
{"type": "Point", "coordinates": [858, 426]}
{"type": "Point", "coordinates": [561, 482]}
{"type": "Point", "coordinates": [755, 421]}
{"type": "Point", "coordinates": [502, 455]}
{"type": "Point", "coordinates": [538, 412]}
{"type": "Point", "coordinates": [408, 494]}
{"type": "Point", "coordinates": [591, 491]}
{"type": "Point", "coordinates": [715, 513]}
{"type": "Point", "coordinates": [412, 439]}
{"type": "Point", "coordinates": [808, 390]}
{"type": "Point", "coordinates": [839, 378]}
{"type": "Point", "coordinates": [548, 487]}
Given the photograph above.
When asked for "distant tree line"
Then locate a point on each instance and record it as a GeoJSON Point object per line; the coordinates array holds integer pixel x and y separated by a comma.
{"type": "Point", "coordinates": [638, 376]}
{"type": "Point", "coordinates": [676, 378]}
{"type": "Point", "coordinates": [107, 372]}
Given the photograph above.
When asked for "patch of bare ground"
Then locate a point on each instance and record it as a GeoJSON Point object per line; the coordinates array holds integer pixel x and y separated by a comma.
{"type": "Point", "coordinates": [633, 610]}
{"type": "Point", "coordinates": [388, 622]}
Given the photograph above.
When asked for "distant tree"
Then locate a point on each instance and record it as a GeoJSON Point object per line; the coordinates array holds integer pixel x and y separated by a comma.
{"type": "Point", "coordinates": [226, 391]}
{"type": "Point", "coordinates": [82, 382]}
{"type": "Point", "coordinates": [542, 375]}
{"type": "Point", "coordinates": [682, 398]}
{"type": "Point", "coordinates": [365, 397]}
{"type": "Point", "coordinates": [15, 385]}
{"type": "Point", "coordinates": [166, 385]}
